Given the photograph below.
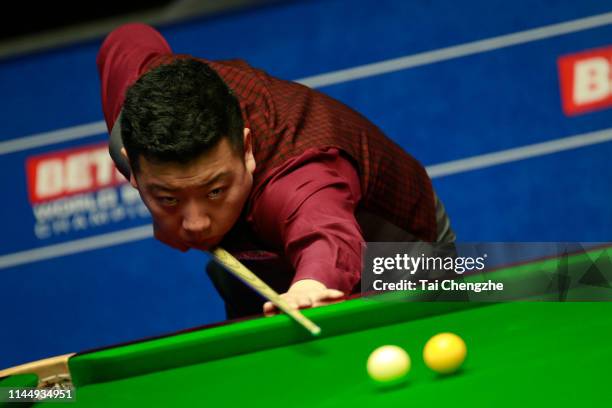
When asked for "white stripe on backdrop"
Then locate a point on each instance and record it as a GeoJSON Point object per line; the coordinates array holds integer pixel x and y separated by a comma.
{"type": "Point", "coordinates": [364, 71]}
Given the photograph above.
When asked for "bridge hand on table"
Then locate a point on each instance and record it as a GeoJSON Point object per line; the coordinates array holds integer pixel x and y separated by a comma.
{"type": "Point", "coordinates": [304, 294]}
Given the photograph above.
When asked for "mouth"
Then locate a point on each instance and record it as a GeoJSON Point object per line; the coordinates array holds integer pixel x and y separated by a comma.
{"type": "Point", "coordinates": [203, 245]}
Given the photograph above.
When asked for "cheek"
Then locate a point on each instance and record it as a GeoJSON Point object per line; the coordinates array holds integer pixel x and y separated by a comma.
{"type": "Point", "coordinates": [227, 212]}
{"type": "Point", "coordinates": [167, 223]}
{"type": "Point", "coordinates": [148, 202]}
{"type": "Point", "coordinates": [236, 199]}
{"type": "Point", "coordinates": [163, 219]}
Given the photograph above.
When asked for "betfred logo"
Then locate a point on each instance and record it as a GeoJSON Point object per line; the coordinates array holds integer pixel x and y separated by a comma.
{"type": "Point", "coordinates": [75, 191]}
{"type": "Point", "coordinates": [586, 82]}
{"type": "Point", "coordinates": [68, 172]}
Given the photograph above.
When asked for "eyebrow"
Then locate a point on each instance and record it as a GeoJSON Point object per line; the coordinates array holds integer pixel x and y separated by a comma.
{"type": "Point", "coordinates": [213, 180]}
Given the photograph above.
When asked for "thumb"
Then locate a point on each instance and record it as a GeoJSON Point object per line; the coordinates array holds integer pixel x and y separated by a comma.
{"type": "Point", "coordinates": [334, 293]}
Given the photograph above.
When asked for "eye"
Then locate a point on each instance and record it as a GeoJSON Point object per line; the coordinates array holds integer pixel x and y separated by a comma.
{"type": "Point", "coordinates": [167, 201]}
{"type": "Point", "coordinates": [216, 192]}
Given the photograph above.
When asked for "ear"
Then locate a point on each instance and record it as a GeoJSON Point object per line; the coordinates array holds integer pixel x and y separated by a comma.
{"type": "Point", "coordinates": [132, 177]}
{"type": "Point", "coordinates": [249, 159]}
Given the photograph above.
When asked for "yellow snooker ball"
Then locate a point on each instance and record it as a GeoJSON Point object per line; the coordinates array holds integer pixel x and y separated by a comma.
{"type": "Point", "coordinates": [388, 364]}
{"type": "Point", "coordinates": [444, 353]}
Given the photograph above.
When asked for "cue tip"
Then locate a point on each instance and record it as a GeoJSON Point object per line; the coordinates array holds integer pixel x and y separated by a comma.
{"type": "Point", "coordinates": [315, 331]}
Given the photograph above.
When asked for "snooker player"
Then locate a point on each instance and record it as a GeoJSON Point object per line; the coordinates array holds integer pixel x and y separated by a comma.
{"type": "Point", "coordinates": [288, 180]}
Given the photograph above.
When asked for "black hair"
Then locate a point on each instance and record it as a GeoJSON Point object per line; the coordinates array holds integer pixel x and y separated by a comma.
{"type": "Point", "coordinates": [178, 111]}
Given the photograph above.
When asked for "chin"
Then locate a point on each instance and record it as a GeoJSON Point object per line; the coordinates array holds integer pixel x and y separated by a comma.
{"type": "Point", "coordinates": [206, 246]}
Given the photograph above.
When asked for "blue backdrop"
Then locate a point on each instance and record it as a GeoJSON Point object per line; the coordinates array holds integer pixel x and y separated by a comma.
{"type": "Point", "coordinates": [442, 111]}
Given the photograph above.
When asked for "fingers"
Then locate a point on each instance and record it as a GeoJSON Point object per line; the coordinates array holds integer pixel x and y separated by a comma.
{"type": "Point", "coordinates": [269, 309]}
{"type": "Point", "coordinates": [331, 296]}
{"type": "Point", "coordinates": [334, 294]}
{"type": "Point", "coordinates": [304, 301]}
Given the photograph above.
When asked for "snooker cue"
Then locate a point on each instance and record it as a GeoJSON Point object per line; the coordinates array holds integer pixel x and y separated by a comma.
{"type": "Point", "coordinates": [249, 278]}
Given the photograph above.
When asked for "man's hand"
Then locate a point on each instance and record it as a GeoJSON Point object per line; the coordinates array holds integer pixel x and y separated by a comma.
{"type": "Point", "coordinates": [304, 294]}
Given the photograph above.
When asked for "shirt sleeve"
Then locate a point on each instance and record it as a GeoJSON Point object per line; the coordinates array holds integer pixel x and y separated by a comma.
{"type": "Point", "coordinates": [122, 58]}
{"type": "Point", "coordinates": [308, 207]}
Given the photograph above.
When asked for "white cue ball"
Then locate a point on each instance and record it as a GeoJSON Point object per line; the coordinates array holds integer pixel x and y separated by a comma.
{"type": "Point", "coordinates": [388, 364]}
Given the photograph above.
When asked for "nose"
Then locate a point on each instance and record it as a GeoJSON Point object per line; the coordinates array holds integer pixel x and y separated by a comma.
{"type": "Point", "coordinates": [195, 218]}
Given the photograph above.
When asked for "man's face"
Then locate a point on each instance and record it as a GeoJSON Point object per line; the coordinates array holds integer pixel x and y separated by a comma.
{"type": "Point", "coordinates": [194, 205]}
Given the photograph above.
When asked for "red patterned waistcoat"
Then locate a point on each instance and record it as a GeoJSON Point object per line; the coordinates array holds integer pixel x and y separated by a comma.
{"type": "Point", "coordinates": [286, 119]}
